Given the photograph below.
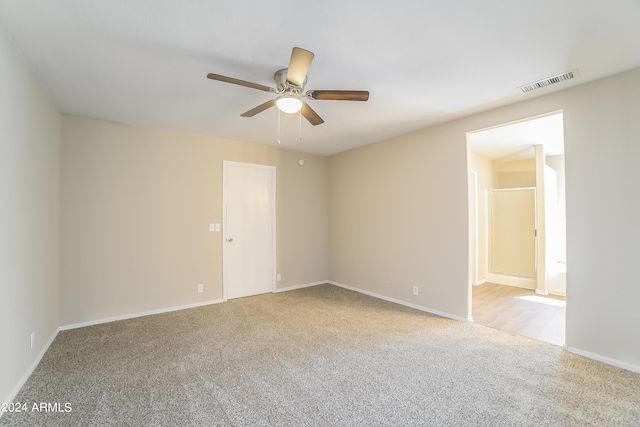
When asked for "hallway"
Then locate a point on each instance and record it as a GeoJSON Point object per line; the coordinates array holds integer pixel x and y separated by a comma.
{"type": "Point", "coordinates": [520, 311]}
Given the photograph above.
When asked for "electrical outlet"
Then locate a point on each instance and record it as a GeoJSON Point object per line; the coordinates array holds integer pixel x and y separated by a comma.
{"type": "Point", "coordinates": [278, 277]}
{"type": "Point", "coordinates": [200, 288]}
{"type": "Point", "coordinates": [212, 227]}
{"type": "Point", "coordinates": [415, 290]}
{"type": "Point", "coordinates": [33, 339]}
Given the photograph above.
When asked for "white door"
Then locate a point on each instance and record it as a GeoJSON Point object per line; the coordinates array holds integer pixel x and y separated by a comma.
{"type": "Point", "coordinates": [248, 218]}
{"type": "Point", "coordinates": [514, 232]}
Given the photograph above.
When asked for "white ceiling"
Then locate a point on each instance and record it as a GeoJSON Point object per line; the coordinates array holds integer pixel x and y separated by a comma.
{"type": "Point", "coordinates": [145, 62]}
{"type": "Point", "coordinates": [515, 141]}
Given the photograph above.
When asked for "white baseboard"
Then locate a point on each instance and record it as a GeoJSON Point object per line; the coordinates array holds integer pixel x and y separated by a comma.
{"type": "Point", "coordinates": [33, 366]}
{"type": "Point", "coordinates": [304, 285]}
{"type": "Point", "coordinates": [518, 282]}
{"type": "Point", "coordinates": [169, 309]}
{"type": "Point", "coordinates": [604, 359]}
{"type": "Point", "coordinates": [291, 288]}
{"type": "Point", "coordinates": [480, 282]}
{"type": "Point", "coordinates": [407, 304]}
{"type": "Point", "coordinates": [134, 315]}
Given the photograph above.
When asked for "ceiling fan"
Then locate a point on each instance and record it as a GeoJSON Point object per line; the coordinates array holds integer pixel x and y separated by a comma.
{"type": "Point", "coordinates": [289, 84]}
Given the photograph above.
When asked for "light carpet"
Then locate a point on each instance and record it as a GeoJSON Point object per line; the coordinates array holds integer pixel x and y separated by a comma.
{"type": "Point", "coordinates": [319, 356]}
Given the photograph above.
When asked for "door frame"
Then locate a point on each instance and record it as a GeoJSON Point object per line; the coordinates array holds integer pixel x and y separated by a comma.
{"type": "Point", "coordinates": [225, 165]}
{"type": "Point", "coordinates": [473, 226]}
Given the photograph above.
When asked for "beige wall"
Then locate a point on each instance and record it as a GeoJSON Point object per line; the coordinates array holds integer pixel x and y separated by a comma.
{"type": "Point", "coordinates": [517, 174]}
{"type": "Point", "coordinates": [602, 160]}
{"type": "Point", "coordinates": [29, 215]}
{"type": "Point", "coordinates": [136, 205]}
{"type": "Point", "coordinates": [398, 213]}
{"type": "Point", "coordinates": [522, 165]}
{"type": "Point", "coordinates": [398, 219]}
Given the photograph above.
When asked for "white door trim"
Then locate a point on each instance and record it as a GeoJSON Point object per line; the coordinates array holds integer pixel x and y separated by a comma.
{"type": "Point", "coordinates": [474, 226]}
{"type": "Point", "coordinates": [225, 165]}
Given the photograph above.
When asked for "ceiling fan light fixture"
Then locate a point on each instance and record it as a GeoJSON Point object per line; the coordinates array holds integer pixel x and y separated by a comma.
{"type": "Point", "coordinates": [289, 104]}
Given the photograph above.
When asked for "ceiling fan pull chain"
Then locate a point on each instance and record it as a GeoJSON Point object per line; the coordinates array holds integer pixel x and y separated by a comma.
{"type": "Point", "coordinates": [278, 126]}
{"type": "Point", "coordinates": [300, 124]}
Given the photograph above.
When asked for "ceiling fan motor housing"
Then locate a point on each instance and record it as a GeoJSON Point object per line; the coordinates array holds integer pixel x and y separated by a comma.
{"type": "Point", "coordinates": [283, 86]}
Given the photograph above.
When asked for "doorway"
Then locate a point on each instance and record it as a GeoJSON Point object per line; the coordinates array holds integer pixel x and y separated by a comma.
{"type": "Point", "coordinates": [248, 229]}
{"type": "Point", "coordinates": [518, 168]}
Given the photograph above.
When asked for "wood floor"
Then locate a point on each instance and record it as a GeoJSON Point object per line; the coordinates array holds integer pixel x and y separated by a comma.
{"type": "Point", "coordinates": [499, 307]}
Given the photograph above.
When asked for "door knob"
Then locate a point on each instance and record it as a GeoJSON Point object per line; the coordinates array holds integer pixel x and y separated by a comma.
{"type": "Point", "coordinates": [230, 239]}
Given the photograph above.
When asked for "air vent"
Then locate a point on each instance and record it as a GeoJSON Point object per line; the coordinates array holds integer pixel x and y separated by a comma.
{"type": "Point", "coordinates": [549, 81]}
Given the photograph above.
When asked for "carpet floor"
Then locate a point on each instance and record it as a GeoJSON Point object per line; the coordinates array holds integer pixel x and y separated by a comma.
{"type": "Point", "coordinates": [319, 356]}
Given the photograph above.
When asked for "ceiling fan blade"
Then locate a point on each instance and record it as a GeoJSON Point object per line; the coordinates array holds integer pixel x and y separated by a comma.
{"type": "Point", "coordinates": [299, 66]}
{"type": "Point", "coordinates": [339, 95]}
{"type": "Point", "coordinates": [238, 82]}
{"type": "Point", "coordinates": [259, 109]}
{"type": "Point", "coordinates": [311, 115]}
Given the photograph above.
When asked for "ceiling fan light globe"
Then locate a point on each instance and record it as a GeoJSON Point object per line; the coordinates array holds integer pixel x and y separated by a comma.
{"type": "Point", "coordinates": [289, 104]}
